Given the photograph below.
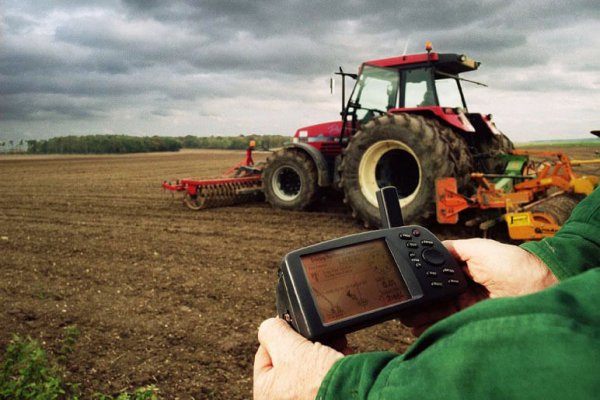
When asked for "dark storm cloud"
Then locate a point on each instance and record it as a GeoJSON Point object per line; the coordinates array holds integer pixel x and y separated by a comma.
{"type": "Point", "coordinates": [96, 58]}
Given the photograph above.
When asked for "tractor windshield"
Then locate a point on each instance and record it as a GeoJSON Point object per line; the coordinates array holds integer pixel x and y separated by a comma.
{"type": "Point", "coordinates": [380, 89]}
{"type": "Point", "coordinates": [375, 91]}
{"type": "Point", "coordinates": [421, 90]}
{"type": "Point", "coordinates": [448, 91]}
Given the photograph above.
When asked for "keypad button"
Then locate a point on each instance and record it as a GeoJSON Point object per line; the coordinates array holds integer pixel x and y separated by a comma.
{"type": "Point", "coordinates": [437, 284]}
{"type": "Point", "coordinates": [412, 254]}
{"type": "Point", "coordinates": [453, 282]}
{"type": "Point", "coordinates": [427, 243]}
{"type": "Point", "coordinates": [432, 256]}
{"type": "Point", "coordinates": [418, 265]}
{"type": "Point", "coordinates": [431, 273]}
{"type": "Point", "coordinates": [415, 260]}
{"type": "Point", "coordinates": [405, 236]}
{"type": "Point", "coordinates": [412, 245]}
{"type": "Point", "coordinates": [448, 271]}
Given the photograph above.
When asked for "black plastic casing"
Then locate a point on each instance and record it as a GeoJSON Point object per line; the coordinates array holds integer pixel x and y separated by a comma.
{"type": "Point", "coordinates": [427, 281]}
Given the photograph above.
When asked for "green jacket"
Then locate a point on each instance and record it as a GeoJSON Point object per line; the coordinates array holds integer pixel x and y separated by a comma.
{"type": "Point", "coordinates": [541, 346]}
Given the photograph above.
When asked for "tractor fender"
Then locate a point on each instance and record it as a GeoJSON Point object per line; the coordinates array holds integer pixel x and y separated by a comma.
{"type": "Point", "coordinates": [323, 177]}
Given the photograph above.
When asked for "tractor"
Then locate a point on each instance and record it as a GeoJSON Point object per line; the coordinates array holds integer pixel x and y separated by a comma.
{"type": "Point", "coordinates": [405, 124]}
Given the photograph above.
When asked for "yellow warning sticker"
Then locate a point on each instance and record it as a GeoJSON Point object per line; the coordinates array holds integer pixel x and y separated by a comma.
{"type": "Point", "coordinates": [518, 219]}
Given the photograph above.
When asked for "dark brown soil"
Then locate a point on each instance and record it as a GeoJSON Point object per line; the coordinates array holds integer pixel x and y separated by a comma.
{"type": "Point", "coordinates": [160, 294]}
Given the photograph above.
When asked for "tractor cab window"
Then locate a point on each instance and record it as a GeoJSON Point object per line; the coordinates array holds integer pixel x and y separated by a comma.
{"type": "Point", "coordinates": [419, 90]}
{"type": "Point", "coordinates": [448, 92]}
{"type": "Point", "coordinates": [376, 90]}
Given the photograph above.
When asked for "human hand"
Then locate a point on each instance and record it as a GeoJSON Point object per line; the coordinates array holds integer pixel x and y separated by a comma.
{"type": "Point", "coordinates": [288, 366]}
{"type": "Point", "coordinates": [502, 269]}
{"type": "Point", "coordinates": [496, 270]}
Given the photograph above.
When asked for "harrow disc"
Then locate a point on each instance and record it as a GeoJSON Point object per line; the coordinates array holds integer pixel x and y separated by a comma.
{"type": "Point", "coordinates": [193, 202]}
{"type": "Point", "coordinates": [221, 194]}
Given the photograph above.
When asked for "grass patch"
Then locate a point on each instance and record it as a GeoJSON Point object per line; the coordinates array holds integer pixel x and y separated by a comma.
{"type": "Point", "coordinates": [27, 373]}
{"type": "Point", "coordinates": [145, 393]}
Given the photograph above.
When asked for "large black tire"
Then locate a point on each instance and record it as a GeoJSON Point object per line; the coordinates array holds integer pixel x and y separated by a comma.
{"type": "Point", "coordinates": [490, 153]}
{"type": "Point", "coordinates": [290, 180]}
{"type": "Point", "coordinates": [406, 151]}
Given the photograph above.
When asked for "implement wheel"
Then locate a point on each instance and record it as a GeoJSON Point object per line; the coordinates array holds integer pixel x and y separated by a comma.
{"type": "Point", "coordinates": [559, 207]}
{"type": "Point", "coordinates": [406, 151]}
{"type": "Point", "coordinates": [290, 180]}
{"type": "Point", "coordinates": [195, 202]}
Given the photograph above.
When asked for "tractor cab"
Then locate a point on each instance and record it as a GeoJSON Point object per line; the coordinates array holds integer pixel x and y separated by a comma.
{"type": "Point", "coordinates": [405, 124]}
{"type": "Point", "coordinates": [426, 83]}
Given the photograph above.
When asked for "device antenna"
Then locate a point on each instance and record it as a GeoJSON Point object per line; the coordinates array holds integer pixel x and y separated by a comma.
{"type": "Point", "coordinates": [389, 208]}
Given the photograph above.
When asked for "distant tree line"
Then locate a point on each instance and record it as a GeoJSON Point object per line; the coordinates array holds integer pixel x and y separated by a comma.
{"type": "Point", "coordinates": [263, 142]}
{"type": "Point", "coordinates": [120, 144]}
{"type": "Point", "coordinates": [99, 144]}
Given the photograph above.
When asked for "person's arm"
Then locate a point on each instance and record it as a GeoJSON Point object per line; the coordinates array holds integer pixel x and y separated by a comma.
{"type": "Point", "coordinates": [284, 357]}
{"type": "Point", "coordinates": [529, 347]}
{"type": "Point", "coordinates": [576, 246]}
{"type": "Point", "coordinates": [540, 346]}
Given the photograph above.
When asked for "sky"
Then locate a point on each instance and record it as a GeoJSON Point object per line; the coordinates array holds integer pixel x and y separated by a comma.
{"type": "Point", "coordinates": [217, 67]}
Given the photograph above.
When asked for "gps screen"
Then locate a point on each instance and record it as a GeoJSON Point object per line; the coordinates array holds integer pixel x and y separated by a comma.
{"type": "Point", "coordinates": [354, 280]}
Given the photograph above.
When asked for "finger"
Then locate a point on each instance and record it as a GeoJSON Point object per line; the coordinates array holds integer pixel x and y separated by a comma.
{"type": "Point", "coordinates": [262, 361]}
{"type": "Point", "coordinates": [457, 249]}
{"type": "Point", "coordinates": [278, 338]}
{"type": "Point", "coordinates": [449, 245]}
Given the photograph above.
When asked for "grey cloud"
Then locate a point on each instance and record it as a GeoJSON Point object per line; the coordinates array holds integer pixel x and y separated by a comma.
{"type": "Point", "coordinates": [77, 59]}
{"type": "Point", "coordinates": [48, 108]}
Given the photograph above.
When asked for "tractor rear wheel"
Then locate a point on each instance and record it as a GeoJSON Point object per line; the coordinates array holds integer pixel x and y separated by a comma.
{"type": "Point", "coordinates": [290, 180]}
{"type": "Point", "coordinates": [406, 151]}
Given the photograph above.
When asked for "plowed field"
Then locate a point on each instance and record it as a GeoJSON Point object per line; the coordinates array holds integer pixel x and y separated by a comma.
{"type": "Point", "coordinates": [160, 294]}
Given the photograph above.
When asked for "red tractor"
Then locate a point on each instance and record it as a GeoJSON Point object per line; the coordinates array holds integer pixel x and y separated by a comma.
{"type": "Point", "coordinates": [405, 124]}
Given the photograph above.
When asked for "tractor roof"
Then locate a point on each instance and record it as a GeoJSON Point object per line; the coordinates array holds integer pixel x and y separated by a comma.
{"type": "Point", "coordinates": [447, 62]}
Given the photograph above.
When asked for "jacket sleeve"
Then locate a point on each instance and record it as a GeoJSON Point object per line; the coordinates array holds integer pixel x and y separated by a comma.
{"type": "Point", "coordinates": [542, 346]}
{"type": "Point", "coordinates": [576, 246]}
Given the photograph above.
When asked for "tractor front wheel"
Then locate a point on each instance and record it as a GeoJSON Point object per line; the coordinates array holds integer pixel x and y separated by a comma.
{"type": "Point", "coordinates": [290, 180]}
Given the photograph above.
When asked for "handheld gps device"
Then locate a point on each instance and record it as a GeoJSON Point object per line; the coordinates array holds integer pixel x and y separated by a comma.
{"type": "Point", "coordinates": [352, 282]}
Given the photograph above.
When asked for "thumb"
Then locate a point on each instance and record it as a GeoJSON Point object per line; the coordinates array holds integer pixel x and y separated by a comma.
{"type": "Point", "coordinates": [456, 250]}
{"type": "Point", "coordinates": [277, 337]}
{"type": "Point", "coordinates": [262, 361]}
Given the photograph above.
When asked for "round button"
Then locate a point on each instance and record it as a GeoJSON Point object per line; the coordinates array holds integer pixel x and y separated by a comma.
{"type": "Point", "coordinates": [416, 232]}
{"type": "Point", "coordinates": [433, 256]}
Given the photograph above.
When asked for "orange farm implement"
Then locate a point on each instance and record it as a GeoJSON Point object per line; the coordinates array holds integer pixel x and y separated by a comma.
{"type": "Point", "coordinates": [533, 198]}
